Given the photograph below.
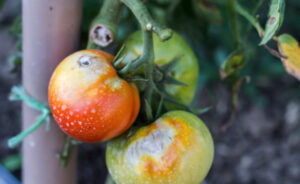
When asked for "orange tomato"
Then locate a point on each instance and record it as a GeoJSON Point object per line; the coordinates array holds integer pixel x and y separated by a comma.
{"type": "Point", "coordinates": [88, 100]}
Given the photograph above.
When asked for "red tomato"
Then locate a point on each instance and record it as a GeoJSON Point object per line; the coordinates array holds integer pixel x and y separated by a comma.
{"type": "Point", "coordinates": [88, 100]}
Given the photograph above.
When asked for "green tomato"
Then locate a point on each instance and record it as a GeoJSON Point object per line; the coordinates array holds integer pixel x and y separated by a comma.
{"type": "Point", "coordinates": [176, 149]}
{"type": "Point", "coordinates": [186, 70]}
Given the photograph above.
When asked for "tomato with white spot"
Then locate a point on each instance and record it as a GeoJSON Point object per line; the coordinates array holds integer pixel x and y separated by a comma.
{"type": "Point", "coordinates": [176, 149]}
{"type": "Point", "coordinates": [88, 100]}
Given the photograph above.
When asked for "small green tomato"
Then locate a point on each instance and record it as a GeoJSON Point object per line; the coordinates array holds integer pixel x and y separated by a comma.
{"type": "Point", "coordinates": [186, 70]}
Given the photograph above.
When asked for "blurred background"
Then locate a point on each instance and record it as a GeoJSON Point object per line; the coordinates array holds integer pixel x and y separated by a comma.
{"type": "Point", "coordinates": [262, 143]}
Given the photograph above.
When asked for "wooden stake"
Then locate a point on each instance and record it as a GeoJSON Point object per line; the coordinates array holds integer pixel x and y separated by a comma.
{"type": "Point", "coordinates": [50, 33]}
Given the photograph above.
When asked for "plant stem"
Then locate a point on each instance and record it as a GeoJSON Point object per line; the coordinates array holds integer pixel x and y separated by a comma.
{"type": "Point", "coordinates": [250, 18]}
{"type": "Point", "coordinates": [234, 101]}
{"type": "Point", "coordinates": [149, 54]}
{"type": "Point", "coordinates": [256, 8]}
{"type": "Point", "coordinates": [104, 27]}
{"type": "Point", "coordinates": [65, 154]}
{"type": "Point", "coordinates": [147, 23]}
{"type": "Point", "coordinates": [18, 93]}
{"type": "Point", "coordinates": [233, 18]}
{"type": "Point", "coordinates": [148, 57]}
{"type": "Point", "coordinates": [12, 142]}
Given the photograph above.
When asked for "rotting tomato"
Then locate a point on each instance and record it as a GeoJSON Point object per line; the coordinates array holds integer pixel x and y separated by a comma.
{"type": "Point", "coordinates": [186, 70]}
{"type": "Point", "coordinates": [176, 149]}
{"type": "Point", "coordinates": [88, 100]}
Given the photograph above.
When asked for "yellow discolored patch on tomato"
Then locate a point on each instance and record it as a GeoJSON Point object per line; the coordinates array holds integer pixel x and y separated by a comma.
{"type": "Point", "coordinates": [79, 74]}
{"type": "Point", "coordinates": [156, 151]}
{"type": "Point", "coordinates": [113, 83]}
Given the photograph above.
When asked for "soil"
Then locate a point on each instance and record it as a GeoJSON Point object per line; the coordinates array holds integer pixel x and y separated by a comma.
{"type": "Point", "coordinates": [261, 145]}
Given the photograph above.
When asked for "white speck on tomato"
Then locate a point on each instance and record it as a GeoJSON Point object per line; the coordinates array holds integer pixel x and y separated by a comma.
{"type": "Point", "coordinates": [63, 107]}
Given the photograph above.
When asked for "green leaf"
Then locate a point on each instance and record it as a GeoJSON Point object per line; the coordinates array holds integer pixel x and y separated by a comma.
{"type": "Point", "coordinates": [233, 63]}
{"type": "Point", "coordinates": [172, 80]}
{"type": "Point", "coordinates": [170, 65]}
{"type": "Point", "coordinates": [200, 111]}
{"type": "Point", "coordinates": [276, 15]}
{"type": "Point", "coordinates": [289, 48]}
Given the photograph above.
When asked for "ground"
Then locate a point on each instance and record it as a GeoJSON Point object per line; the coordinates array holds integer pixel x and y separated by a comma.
{"type": "Point", "coordinates": [261, 145]}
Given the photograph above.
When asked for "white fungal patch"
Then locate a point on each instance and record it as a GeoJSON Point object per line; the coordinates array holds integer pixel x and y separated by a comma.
{"type": "Point", "coordinates": [92, 66]}
{"type": "Point", "coordinates": [153, 145]}
{"type": "Point", "coordinates": [71, 113]}
{"type": "Point", "coordinates": [85, 61]}
{"type": "Point", "coordinates": [79, 122]}
{"type": "Point", "coordinates": [54, 107]}
{"type": "Point", "coordinates": [67, 124]}
{"type": "Point", "coordinates": [93, 110]}
{"type": "Point", "coordinates": [114, 83]}
{"type": "Point", "coordinates": [63, 107]}
{"type": "Point", "coordinates": [72, 123]}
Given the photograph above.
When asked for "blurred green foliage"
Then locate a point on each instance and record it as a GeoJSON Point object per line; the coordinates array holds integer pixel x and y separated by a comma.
{"type": "Point", "coordinates": [1, 3]}
{"type": "Point", "coordinates": [12, 162]}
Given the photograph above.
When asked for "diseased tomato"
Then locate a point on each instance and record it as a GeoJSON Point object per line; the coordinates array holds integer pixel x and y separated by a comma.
{"type": "Point", "coordinates": [88, 100]}
{"type": "Point", "coordinates": [186, 70]}
{"type": "Point", "coordinates": [176, 149]}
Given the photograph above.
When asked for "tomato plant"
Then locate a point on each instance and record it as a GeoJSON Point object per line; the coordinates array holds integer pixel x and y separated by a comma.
{"type": "Point", "coordinates": [177, 148]}
{"type": "Point", "coordinates": [88, 99]}
{"type": "Point", "coordinates": [96, 97]}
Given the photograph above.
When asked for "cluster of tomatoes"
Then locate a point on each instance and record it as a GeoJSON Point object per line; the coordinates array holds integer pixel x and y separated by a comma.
{"type": "Point", "coordinates": [91, 103]}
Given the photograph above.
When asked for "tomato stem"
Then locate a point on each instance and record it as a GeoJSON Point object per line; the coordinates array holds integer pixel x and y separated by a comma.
{"type": "Point", "coordinates": [250, 18]}
{"type": "Point", "coordinates": [66, 152]}
{"type": "Point", "coordinates": [147, 23]}
{"type": "Point", "coordinates": [104, 27]}
{"type": "Point", "coordinates": [233, 18]}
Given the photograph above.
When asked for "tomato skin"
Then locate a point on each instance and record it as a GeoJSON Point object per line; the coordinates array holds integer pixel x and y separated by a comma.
{"type": "Point", "coordinates": [88, 100]}
{"type": "Point", "coordinates": [175, 149]}
{"type": "Point", "coordinates": [186, 70]}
